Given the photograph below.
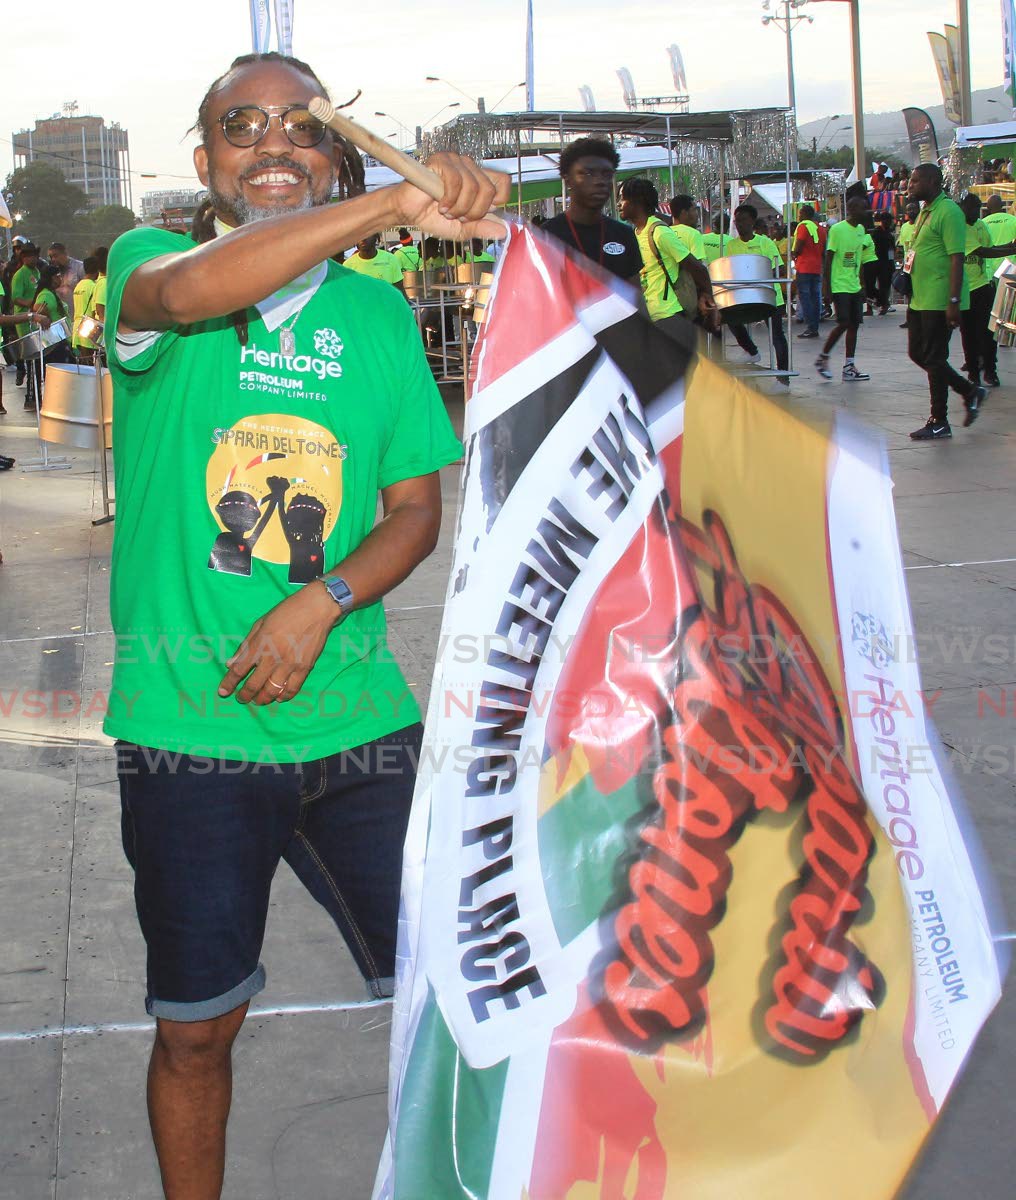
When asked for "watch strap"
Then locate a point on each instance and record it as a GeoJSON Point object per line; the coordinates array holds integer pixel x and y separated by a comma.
{"type": "Point", "coordinates": [339, 591]}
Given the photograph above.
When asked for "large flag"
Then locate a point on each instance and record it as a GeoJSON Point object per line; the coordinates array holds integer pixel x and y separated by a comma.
{"type": "Point", "coordinates": [687, 914]}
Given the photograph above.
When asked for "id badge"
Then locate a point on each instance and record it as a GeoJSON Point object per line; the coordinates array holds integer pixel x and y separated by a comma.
{"type": "Point", "coordinates": [908, 261]}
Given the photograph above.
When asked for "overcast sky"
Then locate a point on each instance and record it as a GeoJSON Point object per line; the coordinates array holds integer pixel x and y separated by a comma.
{"type": "Point", "coordinates": [148, 69]}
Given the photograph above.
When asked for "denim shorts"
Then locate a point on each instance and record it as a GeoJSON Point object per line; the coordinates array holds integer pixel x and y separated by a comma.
{"type": "Point", "coordinates": [205, 836]}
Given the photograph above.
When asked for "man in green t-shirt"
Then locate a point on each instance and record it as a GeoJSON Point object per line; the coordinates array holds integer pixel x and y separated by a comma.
{"type": "Point", "coordinates": [935, 265]}
{"type": "Point", "coordinates": [979, 347]}
{"type": "Point", "coordinates": [407, 253]}
{"type": "Point", "coordinates": [685, 213]}
{"type": "Point", "coordinates": [369, 260]}
{"type": "Point", "coordinates": [842, 280]}
{"type": "Point", "coordinates": [1001, 224]}
{"type": "Point", "coordinates": [265, 397]}
{"type": "Point", "coordinates": [749, 241]}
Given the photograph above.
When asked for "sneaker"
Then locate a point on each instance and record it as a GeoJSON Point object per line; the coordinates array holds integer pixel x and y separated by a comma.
{"type": "Point", "coordinates": [808, 333]}
{"type": "Point", "coordinates": [5, 462]}
{"type": "Point", "coordinates": [852, 375]}
{"type": "Point", "coordinates": [755, 358]}
{"type": "Point", "coordinates": [822, 366]}
{"type": "Point", "coordinates": [992, 381]}
{"type": "Point", "coordinates": [931, 432]}
{"type": "Point", "coordinates": [973, 404]}
{"type": "Point", "coordinates": [903, 325]}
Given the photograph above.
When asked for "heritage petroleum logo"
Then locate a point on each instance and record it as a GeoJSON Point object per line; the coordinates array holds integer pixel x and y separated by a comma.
{"type": "Point", "coordinates": [871, 640]}
{"type": "Point", "coordinates": [328, 343]}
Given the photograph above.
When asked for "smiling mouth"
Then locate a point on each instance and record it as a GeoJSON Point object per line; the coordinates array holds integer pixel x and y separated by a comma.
{"type": "Point", "coordinates": [274, 178]}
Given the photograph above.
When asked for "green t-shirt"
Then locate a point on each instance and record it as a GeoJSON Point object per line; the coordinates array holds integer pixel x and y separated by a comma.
{"type": "Point", "coordinates": [905, 234]}
{"type": "Point", "coordinates": [52, 304]}
{"type": "Point", "coordinates": [759, 244]}
{"type": "Point", "coordinates": [241, 475]}
{"type": "Point", "coordinates": [942, 231]}
{"type": "Point", "coordinates": [661, 299]}
{"type": "Point", "coordinates": [98, 297]}
{"type": "Point", "coordinates": [976, 271]}
{"type": "Point", "coordinates": [868, 251]}
{"type": "Point", "coordinates": [408, 257]}
{"type": "Point", "coordinates": [711, 246]}
{"type": "Point", "coordinates": [382, 266]}
{"type": "Point", "coordinates": [23, 285]}
{"type": "Point", "coordinates": [692, 238]}
{"type": "Point", "coordinates": [1002, 227]}
{"type": "Point", "coordinates": [482, 257]}
{"type": "Point", "coordinates": [83, 290]}
{"type": "Point", "coordinates": [845, 250]}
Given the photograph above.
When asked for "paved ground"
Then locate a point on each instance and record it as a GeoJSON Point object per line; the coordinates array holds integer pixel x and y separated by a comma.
{"type": "Point", "coordinates": [310, 1070]}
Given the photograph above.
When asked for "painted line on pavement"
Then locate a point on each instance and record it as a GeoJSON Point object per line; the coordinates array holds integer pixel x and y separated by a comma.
{"type": "Point", "coordinates": [283, 1010]}
{"type": "Point", "coordinates": [977, 562]}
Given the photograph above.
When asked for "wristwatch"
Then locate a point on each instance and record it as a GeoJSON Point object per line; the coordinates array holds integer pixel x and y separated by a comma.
{"type": "Point", "coordinates": [954, 299]}
{"type": "Point", "coordinates": [339, 591]}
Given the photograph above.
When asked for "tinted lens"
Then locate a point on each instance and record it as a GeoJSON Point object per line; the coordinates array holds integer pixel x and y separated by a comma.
{"type": "Point", "coordinates": [301, 128]}
{"type": "Point", "coordinates": [244, 126]}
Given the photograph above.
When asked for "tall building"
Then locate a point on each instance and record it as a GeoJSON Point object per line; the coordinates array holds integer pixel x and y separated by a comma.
{"type": "Point", "coordinates": [89, 152]}
{"type": "Point", "coordinates": [176, 205]}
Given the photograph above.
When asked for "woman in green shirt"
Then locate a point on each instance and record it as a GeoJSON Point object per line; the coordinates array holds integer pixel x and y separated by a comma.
{"type": "Point", "coordinates": [48, 304]}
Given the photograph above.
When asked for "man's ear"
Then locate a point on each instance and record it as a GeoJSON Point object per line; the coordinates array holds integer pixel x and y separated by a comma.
{"type": "Point", "coordinates": [201, 163]}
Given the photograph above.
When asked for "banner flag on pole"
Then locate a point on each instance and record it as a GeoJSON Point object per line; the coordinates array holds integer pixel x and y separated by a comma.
{"type": "Point", "coordinates": [1009, 49]}
{"type": "Point", "coordinates": [260, 26]}
{"type": "Point", "coordinates": [5, 214]}
{"type": "Point", "coordinates": [947, 76]}
{"type": "Point", "coordinates": [921, 132]}
{"type": "Point", "coordinates": [284, 26]}
{"type": "Point", "coordinates": [687, 913]}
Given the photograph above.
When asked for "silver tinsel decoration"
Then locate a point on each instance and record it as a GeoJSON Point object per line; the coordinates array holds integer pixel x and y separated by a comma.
{"type": "Point", "coordinates": [960, 169]}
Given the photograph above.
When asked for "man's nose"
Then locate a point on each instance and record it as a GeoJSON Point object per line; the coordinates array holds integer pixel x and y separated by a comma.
{"type": "Point", "coordinates": [275, 141]}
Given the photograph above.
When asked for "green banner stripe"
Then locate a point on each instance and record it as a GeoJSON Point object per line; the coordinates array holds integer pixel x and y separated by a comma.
{"type": "Point", "coordinates": [448, 1118]}
{"type": "Point", "coordinates": [584, 841]}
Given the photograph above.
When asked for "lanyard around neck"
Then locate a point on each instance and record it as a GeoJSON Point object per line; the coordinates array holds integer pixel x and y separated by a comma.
{"type": "Point", "coordinates": [578, 241]}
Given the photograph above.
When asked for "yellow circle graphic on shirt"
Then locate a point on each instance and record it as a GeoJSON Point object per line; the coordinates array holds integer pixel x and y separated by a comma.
{"type": "Point", "coordinates": [274, 485]}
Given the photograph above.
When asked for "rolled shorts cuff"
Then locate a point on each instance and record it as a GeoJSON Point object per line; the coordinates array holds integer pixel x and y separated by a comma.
{"type": "Point", "coordinates": [381, 989]}
{"type": "Point", "coordinates": [206, 1010]}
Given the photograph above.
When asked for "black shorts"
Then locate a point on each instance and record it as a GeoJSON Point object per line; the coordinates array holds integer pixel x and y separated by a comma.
{"type": "Point", "coordinates": [848, 308]}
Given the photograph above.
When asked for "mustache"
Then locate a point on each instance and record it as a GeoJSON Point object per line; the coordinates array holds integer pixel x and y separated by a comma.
{"type": "Point", "coordinates": [282, 163]}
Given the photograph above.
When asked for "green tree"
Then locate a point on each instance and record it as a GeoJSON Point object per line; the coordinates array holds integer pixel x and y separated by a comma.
{"type": "Point", "coordinates": [48, 204]}
{"type": "Point", "coordinates": [101, 227]}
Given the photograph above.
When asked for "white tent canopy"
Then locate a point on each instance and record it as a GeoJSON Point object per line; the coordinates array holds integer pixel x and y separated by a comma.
{"type": "Point", "coordinates": [996, 134]}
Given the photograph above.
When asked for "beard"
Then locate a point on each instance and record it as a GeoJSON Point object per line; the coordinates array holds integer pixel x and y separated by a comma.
{"type": "Point", "coordinates": [243, 212]}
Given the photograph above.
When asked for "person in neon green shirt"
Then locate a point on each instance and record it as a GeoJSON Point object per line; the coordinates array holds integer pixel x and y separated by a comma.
{"type": "Point", "coordinates": [476, 253]}
{"type": "Point", "coordinates": [940, 293]}
{"type": "Point", "coordinates": [749, 241]}
{"type": "Point", "coordinates": [714, 240]}
{"type": "Point", "coordinates": [848, 247]}
{"type": "Point", "coordinates": [23, 285]}
{"type": "Point", "coordinates": [407, 254]}
{"type": "Point", "coordinates": [979, 346]}
{"type": "Point", "coordinates": [685, 212]}
{"type": "Point", "coordinates": [378, 264]}
{"type": "Point", "coordinates": [905, 233]}
{"type": "Point", "coordinates": [83, 290]}
{"type": "Point", "coordinates": [663, 255]}
{"type": "Point", "coordinates": [1001, 224]}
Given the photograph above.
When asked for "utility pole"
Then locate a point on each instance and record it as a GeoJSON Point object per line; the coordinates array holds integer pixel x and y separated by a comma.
{"type": "Point", "coordinates": [860, 163]}
{"type": "Point", "coordinates": [963, 25]}
{"type": "Point", "coordinates": [786, 20]}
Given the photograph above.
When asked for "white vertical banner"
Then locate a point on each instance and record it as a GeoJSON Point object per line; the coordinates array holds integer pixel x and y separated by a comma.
{"type": "Point", "coordinates": [260, 25]}
{"type": "Point", "coordinates": [1009, 49]}
{"type": "Point", "coordinates": [530, 87]}
{"type": "Point", "coordinates": [284, 25]}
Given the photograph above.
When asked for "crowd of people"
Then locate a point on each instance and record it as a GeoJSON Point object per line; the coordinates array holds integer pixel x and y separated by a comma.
{"type": "Point", "coordinates": [57, 294]}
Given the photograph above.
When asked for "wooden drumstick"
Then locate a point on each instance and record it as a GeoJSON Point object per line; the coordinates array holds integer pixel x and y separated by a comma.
{"type": "Point", "coordinates": [406, 166]}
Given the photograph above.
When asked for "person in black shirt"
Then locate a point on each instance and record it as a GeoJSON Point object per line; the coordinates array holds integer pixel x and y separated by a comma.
{"type": "Point", "coordinates": [588, 166]}
{"type": "Point", "coordinates": [885, 247]}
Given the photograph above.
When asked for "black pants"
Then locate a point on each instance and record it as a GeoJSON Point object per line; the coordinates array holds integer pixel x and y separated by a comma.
{"type": "Point", "coordinates": [743, 339]}
{"type": "Point", "coordinates": [60, 353]}
{"type": "Point", "coordinates": [928, 337]}
{"type": "Point", "coordinates": [979, 347]}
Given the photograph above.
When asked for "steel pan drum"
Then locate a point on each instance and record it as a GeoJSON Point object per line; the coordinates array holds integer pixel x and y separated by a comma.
{"type": "Point", "coordinates": [482, 295]}
{"type": "Point", "coordinates": [743, 288]}
{"type": "Point", "coordinates": [414, 281]}
{"type": "Point", "coordinates": [1003, 311]}
{"type": "Point", "coordinates": [69, 413]}
{"type": "Point", "coordinates": [42, 339]}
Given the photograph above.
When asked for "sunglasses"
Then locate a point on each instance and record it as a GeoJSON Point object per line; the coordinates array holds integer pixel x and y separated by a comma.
{"type": "Point", "coordinates": [246, 126]}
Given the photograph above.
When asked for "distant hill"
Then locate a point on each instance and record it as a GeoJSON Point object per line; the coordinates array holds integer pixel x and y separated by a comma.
{"type": "Point", "coordinates": [888, 130]}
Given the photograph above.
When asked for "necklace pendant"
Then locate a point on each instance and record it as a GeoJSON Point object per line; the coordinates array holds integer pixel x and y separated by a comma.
{"type": "Point", "coordinates": [287, 343]}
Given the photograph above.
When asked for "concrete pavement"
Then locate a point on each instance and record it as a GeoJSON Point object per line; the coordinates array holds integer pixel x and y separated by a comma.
{"type": "Point", "coordinates": [309, 1112]}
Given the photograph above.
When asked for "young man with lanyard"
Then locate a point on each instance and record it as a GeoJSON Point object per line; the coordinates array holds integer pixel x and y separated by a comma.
{"type": "Point", "coordinates": [587, 167]}
{"type": "Point", "coordinates": [808, 251]}
{"type": "Point", "coordinates": [979, 346]}
{"type": "Point", "coordinates": [842, 281]}
{"type": "Point", "coordinates": [940, 293]}
{"type": "Point", "coordinates": [265, 397]}
{"type": "Point", "coordinates": [750, 242]}
{"type": "Point", "coordinates": [376, 263]}
{"type": "Point", "coordinates": [663, 255]}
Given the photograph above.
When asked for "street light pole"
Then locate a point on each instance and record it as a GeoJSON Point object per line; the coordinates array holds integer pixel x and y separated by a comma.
{"type": "Point", "coordinates": [786, 20]}
{"type": "Point", "coordinates": [963, 25]}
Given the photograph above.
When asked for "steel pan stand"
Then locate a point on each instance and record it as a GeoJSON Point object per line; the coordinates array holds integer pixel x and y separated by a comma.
{"type": "Point", "coordinates": [44, 462]}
